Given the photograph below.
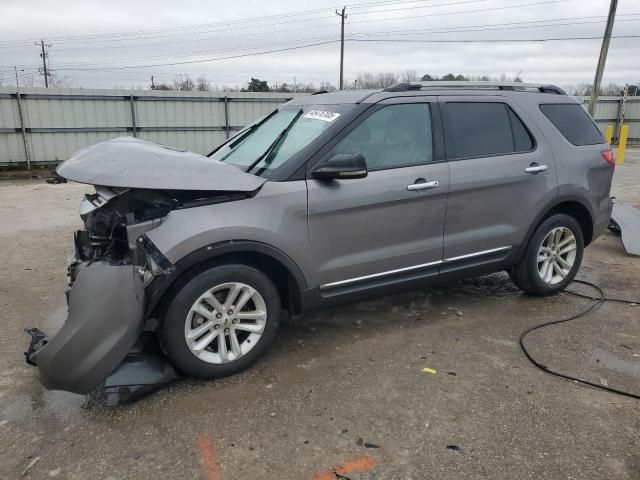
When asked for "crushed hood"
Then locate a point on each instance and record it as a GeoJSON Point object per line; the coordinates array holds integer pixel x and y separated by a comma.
{"type": "Point", "coordinates": [132, 163]}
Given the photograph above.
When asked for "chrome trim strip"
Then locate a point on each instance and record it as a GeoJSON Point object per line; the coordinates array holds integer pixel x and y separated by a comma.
{"type": "Point", "coordinates": [408, 269]}
{"type": "Point", "coordinates": [376, 275]}
{"type": "Point", "coordinates": [476, 254]}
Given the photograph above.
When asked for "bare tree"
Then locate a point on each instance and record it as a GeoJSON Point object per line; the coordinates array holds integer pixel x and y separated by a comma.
{"type": "Point", "coordinates": [612, 90]}
{"type": "Point", "coordinates": [387, 79]}
{"type": "Point", "coordinates": [379, 80]}
{"type": "Point", "coordinates": [202, 84]}
{"type": "Point", "coordinates": [61, 81]}
{"type": "Point", "coordinates": [183, 82]}
{"type": "Point", "coordinates": [409, 76]}
{"type": "Point", "coordinates": [327, 87]}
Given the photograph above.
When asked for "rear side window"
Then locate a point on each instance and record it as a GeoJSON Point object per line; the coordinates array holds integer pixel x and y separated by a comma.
{"type": "Point", "coordinates": [573, 123]}
{"type": "Point", "coordinates": [480, 129]}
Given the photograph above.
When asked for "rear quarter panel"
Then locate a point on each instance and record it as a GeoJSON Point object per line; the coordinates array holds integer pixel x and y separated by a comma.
{"type": "Point", "coordinates": [581, 169]}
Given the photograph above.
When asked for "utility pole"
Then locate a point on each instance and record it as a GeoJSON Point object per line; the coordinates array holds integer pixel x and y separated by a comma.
{"type": "Point", "coordinates": [15, 69]}
{"type": "Point", "coordinates": [342, 14]}
{"type": "Point", "coordinates": [603, 56]}
{"type": "Point", "coordinates": [44, 55]}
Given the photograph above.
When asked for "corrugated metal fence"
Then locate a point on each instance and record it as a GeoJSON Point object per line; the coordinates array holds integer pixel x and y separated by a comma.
{"type": "Point", "coordinates": [43, 126]}
{"type": "Point", "coordinates": [615, 111]}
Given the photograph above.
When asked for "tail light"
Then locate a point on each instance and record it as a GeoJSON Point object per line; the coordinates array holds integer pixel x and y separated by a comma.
{"type": "Point", "coordinates": [608, 156]}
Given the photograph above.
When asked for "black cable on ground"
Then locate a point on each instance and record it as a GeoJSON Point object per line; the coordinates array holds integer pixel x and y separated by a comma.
{"type": "Point", "coordinates": [596, 303]}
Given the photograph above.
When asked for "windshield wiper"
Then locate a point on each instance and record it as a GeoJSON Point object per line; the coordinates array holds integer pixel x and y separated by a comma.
{"type": "Point", "coordinates": [274, 144]}
{"type": "Point", "coordinates": [241, 136]}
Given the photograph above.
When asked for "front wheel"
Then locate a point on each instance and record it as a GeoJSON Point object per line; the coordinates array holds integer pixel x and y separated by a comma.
{"type": "Point", "coordinates": [552, 258]}
{"type": "Point", "coordinates": [221, 321]}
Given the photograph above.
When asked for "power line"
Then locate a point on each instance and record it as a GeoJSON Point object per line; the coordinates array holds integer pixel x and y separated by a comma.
{"type": "Point", "coordinates": [83, 38]}
{"type": "Point", "coordinates": [392, 40]}
{"type": "Point", "coordinates": [398, 32]}
{"type": "Point", "coordinates": [454, 29]}
{"type": "Point", "coordinates": [495, 40]}
{"type": "Point", "coordinates": [148, 34]}
{"type": "Point", "coordinates": [202, 52]}
{"type": "Point", "coordinates": [489, 27]}
{"type": "Point", "coordinates": [207, 59]}
{"type": "Point", "coordinates": [462, 12]}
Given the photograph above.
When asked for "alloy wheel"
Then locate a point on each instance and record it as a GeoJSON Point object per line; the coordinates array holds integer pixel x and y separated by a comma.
{"type": "Point", "coordinates": [225, 322]}
{"type": "Point", "coordinates": [556, 255]}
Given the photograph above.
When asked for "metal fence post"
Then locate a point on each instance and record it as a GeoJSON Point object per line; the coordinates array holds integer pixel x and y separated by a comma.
{"type": "Point", "coordinates": [24, 131]}
{"type": "Point", "coordinates": [621, 112]}
{"type": "Point", "coordinates": [622, 144]}
{"type": "Point", "coordinates": [132, 102]}
{"type": "Point", "coordinates": [226, 115]}
{"type": "Point", "coordinates": [608, 134]}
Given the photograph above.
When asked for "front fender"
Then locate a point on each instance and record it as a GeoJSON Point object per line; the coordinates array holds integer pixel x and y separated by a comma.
{"type": "Point", "coordinates": [105, 319]}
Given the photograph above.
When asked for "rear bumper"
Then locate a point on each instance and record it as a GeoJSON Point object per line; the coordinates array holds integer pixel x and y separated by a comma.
{"type": "Point", "coordinates": [106, 305]}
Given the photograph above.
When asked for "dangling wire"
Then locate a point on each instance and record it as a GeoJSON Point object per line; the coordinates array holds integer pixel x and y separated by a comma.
{"type": "Point", "coordinates": [594, 305]}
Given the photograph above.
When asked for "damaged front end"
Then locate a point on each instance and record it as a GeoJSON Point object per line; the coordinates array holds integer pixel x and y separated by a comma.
{"type": "Point", "coordinates": [113, 264]}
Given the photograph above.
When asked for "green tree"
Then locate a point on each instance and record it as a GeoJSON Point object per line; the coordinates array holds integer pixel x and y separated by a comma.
{"type": "Point", "coordinates": [256, 85]}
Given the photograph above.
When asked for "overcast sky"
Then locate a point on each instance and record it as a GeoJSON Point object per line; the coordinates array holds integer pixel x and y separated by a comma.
{"type": "Point", "coordinates": [89, 38]}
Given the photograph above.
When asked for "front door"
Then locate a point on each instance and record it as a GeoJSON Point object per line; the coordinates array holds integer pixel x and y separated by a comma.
{"type": "Point", "coordinates": [389, 224]}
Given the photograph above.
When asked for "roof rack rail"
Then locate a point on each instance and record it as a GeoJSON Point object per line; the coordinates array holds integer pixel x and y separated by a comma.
{"type": "Point", "coordinates": [466, 85]}
{"type": "Point", "coordinates": [403, 87]}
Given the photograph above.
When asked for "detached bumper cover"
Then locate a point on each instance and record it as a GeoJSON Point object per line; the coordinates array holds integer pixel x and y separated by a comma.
{"type": "Point", "coordinates": [106, 305]}
{"type": "Point", "coordinates": [627, 220]}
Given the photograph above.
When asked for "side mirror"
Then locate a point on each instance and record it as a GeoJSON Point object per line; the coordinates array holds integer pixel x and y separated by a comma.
{"type": "Point", "coordinates": [342, 166]}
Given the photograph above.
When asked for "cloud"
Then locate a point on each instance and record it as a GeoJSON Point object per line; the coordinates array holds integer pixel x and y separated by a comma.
{"type": "Point", "coordinates": [232, 33]}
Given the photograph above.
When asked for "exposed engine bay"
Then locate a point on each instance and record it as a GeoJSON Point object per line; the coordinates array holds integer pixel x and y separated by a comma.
{"type": "Point", "coordinates": [115, 220]}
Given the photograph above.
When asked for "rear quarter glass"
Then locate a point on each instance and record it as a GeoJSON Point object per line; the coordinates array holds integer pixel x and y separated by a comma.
{"type": "Point", "coordinates": [573, 123]}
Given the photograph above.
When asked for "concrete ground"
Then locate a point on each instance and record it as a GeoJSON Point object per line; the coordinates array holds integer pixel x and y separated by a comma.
{"type": "Point", "coordinates": [343, 391]}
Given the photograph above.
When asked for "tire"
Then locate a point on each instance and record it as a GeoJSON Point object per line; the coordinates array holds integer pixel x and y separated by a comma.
{"type": "Point", "coordinates": [528, 273]}
{"type": "Point", "coordinates": [197, 305]}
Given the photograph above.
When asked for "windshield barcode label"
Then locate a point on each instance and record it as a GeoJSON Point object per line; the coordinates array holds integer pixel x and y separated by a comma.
{"type": "Point", "coordinates": [322, 115]}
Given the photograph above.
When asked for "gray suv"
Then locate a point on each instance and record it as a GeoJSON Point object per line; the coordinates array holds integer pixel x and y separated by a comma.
{"type": "Point", "coordinates": [332, 198]}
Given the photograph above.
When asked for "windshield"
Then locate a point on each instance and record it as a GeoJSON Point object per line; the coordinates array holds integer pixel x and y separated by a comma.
{"type": "Point", "coordinates": [270, 142]}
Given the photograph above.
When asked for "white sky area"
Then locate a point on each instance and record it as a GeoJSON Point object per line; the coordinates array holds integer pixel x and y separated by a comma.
{"type": "Point", "coordinates": [92, 40]}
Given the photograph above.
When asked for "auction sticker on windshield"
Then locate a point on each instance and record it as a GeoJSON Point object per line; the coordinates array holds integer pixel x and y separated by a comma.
{"type": "Point", "coordinates": [322, 115]}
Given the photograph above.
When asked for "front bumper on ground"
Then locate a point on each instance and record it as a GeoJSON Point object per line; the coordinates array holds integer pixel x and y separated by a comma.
{"type": "Point", "coordinates": [105, 319]}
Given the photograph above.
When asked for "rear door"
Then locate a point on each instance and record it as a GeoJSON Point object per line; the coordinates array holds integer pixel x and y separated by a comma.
{"type": "Point", "coordinates": [502, 174]}
{"type": "Point", "coordinates": [389, 225]}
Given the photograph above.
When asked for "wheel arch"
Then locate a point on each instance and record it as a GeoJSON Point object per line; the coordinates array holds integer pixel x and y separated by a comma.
{"type": "Point", "coordinates": [273, 262]}
{"type": "Point", "coordinates": [573, 205]}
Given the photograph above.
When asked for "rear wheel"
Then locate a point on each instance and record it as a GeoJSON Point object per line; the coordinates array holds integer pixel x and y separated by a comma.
{"type": "Point", "coordinates": [221, 321]}
{"type": "Point", "coordinates": [552, 258]}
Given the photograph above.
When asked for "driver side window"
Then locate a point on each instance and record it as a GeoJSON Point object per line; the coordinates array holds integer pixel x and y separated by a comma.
{"type": "Point", "coordinates": [392, 137]}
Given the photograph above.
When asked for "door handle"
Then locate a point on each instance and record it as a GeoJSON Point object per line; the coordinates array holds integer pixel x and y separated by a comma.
{"type": "Point", "coordinates": [416, 187]}
{"type": "Point", "coordinates": [535, 168]}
